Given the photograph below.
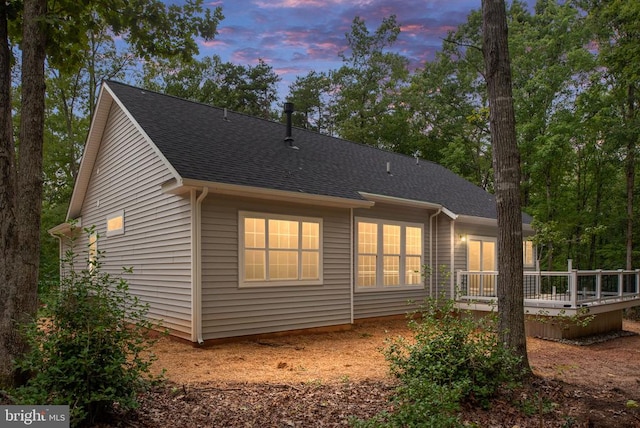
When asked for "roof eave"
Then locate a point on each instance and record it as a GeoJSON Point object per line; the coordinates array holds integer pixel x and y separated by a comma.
{"type": "Point", "coordinates": [484, 221]}
{"type": "Point", "coordinates": [181, 186]}
{"type": "Point", "coordinates": [394, 200]}
{"type": "Point", "coordinates": [65, 228]}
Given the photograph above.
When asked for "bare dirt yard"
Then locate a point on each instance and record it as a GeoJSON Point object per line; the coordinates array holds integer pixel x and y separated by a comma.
{"type": "Point", "coordinates": [324, 380]}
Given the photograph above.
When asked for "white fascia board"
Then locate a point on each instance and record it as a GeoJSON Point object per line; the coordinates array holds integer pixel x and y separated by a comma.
{"type": "Point", "coordinates": [408, 203]}
{"type": "Point", "coordinates": [180, 186]}
{"type": "Point", "coordinates": [483, 221]}
{"type": "Point", "coordinates": [65, 228]}
{"type": "Point", "coordinates": [61, 229]}
{"type": "Point", "coordinates": [175, 187]}
{"type": "Point", "coordinates": [400, 201]}
{"type": "Point", "coordinates": [480, 221]}
{"type": "Point", "coordinates": [450, 214]}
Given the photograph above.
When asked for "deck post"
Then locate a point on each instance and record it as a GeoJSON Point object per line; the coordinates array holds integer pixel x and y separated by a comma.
{"type": "Point", "coordinates": [637, 285]}
{"type": "Point", "coordinates": [598, 283]}
{"type": "Point", "coordinates": [620, 282]}
{"type": "Point", "coordinates": [572, 278]}
{"type": "Point", "coordinates": [538, 277]}
{"type": "Point", "coordinates": [454, 295]}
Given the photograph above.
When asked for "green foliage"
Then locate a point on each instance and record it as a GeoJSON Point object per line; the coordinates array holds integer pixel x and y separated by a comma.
{"type": "Point", "coordinates": [582, 318]}
{"type": "Point", "coordinates": [535, 405]}
{"type": "Point", "coordinates": [83, 51]}
{"type": "Point", "coordinates": [369, 83]}
{"type": "Point", "coordinates": [245, 89]}
{"type": "Point", "coordinates": [311, 95]}
{"type": "Point", "coordinates": [431, 405]}
{"type": "Point", "coordinates": [49, 270]}
{"type": "Point", "coordinates": [89, 346]}
{"type": "Point", "coordinates": [453, 359]}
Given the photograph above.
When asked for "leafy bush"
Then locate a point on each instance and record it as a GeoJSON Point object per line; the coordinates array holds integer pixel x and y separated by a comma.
{"type": "Point", "coordinates": [452, 359]}
{"type": "Point", "coordinates": [89, 348]}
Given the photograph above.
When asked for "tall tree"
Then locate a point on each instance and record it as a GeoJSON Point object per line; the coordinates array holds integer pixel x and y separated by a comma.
{"type": "Point", "coordinates": [368, 82]}
{"type": "Point", "coordinates": [21, 235]}
{"type": "Point", "coordinates": [242, 88]}
{"type": "Point", "coordinates": [550, 63]}
{"type": "Point", "coordinates": [312, 97]}
{"type": "Point", "coordinates": [615, 23]}
{"type": "Point", "coordinates": [447, 99]}
{"type": "Point", "coordinates": [151, 28]}
{"type": "Point", "coordinates": [507, 177]}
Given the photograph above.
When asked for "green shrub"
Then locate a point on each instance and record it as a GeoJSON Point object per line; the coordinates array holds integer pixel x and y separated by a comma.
{"type": "Point", "coordinates": [452, 359]}
{"type": "Point", "coordinates": [89, 347]}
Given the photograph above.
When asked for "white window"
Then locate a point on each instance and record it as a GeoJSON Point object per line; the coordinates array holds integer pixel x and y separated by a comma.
{"type": "Point", "coordinates": [481, 254]}
{"type": "Point", "coordinates": [481, 263]}
{"type": "Point", "coordinates": [279, 250]}
{"type": "Point", "coordinates": [115, 223]}
{"type": "Point", "coordinates": [93, 252]}
{"type": "Point", "coordinates": [528, 257]}
{"type": "Point", "coordinates": [389, 254]}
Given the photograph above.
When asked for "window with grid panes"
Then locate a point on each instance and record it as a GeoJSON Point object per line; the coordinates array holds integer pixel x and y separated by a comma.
{"type": "Point", "coordinates": [279, 250]}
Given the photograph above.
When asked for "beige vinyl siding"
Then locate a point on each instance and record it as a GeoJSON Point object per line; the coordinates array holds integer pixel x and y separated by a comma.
{"type": "Point", "coordinates": [156, 241]}
{"type": "Point", "coordinates": [442, 269]}
{"type": "Point", "coordinates": [393, 302]}
{"type": "Point", "coordinates": [228, 310]}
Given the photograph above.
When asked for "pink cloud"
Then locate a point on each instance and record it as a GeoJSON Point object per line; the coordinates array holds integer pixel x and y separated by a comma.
{"type": "Point", "coordinates": [296, 36]}
{"type": "Point", "coordinates": [279, 4]}
{"type": "Point", "coordinates": [213, 43]}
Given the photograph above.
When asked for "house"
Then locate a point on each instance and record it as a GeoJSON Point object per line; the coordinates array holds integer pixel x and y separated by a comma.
{"type": "Point", "coordinates": [239, 226]}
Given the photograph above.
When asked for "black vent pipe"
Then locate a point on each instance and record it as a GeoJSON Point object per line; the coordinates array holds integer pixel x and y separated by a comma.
{"type": "Point", "coordinates": [288, 109]}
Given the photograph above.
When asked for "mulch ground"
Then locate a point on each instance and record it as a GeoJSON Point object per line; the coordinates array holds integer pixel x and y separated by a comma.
{"type": "Point", "coordinates": [540, 403]}
{"type": "Point", "coordinates": [328, 380]}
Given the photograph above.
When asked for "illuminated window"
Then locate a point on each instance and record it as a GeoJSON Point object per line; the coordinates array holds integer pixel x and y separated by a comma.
{"type": "Point", "coordinates": [115, 223]}
{"type": "Point", "coordinates": [413, 255]}
{"type": "Point", "coordinates": [279, 250]}
{"type": "Point", "coordinates": [367, 254]}
{"type": "Point", "coordinates": [93, 252]}
{"type": "Point", "coordinates": [528, 257]}
{"type": "Point", "coordinates": [482, 254]}
{"type": "Point", "coordinates": [389, 254]}
{"type": "Point", "coordinates": [481, 263]}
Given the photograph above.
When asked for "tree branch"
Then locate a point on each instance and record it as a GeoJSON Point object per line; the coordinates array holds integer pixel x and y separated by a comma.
{"type": "Point", "coordinates": [464, 45]}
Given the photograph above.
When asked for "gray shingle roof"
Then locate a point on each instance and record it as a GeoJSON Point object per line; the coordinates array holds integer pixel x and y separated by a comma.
{"type": "Point", "coordinates": [244, 150]}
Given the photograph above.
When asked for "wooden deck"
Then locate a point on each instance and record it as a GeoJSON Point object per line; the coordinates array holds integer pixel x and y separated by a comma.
{"type": "Point", "coordinates": [556, 302]}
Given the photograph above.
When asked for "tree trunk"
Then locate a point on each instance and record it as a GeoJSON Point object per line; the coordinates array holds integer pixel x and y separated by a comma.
{"type": "Point", "coordinates": [506, 165]}
{"type": "Point", "coordinates": [8, 232]}
{"type": "Point", "coordinates": [23, 249]}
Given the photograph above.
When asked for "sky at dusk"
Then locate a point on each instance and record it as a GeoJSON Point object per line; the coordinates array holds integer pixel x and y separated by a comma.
{"type": "Point", "coordinates": [297, 36]}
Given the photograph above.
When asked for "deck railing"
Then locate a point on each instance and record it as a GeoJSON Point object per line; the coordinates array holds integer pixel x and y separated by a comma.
{"type": "Point", "coordinates": [571, 289]}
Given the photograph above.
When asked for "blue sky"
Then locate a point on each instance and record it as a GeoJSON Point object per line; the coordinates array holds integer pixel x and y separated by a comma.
{"type": "Point", "coordinates": [297, 36]}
